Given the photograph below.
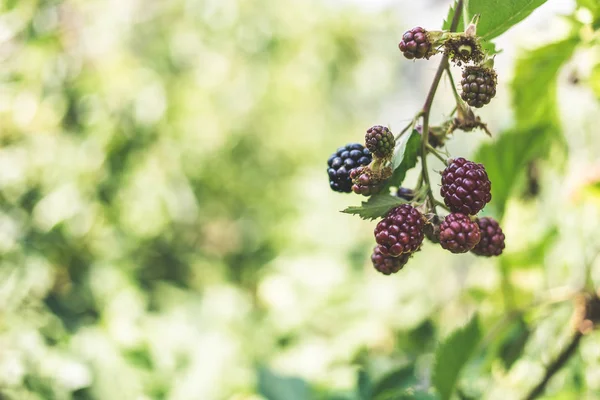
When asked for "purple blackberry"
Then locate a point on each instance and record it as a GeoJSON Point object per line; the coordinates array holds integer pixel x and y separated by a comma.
{"type": "Point", "coordinates": [458, 233]}
{"type": "Point", "coordinates": [400, 231]}
{"type": "Point", "coordinates": [343, 162]}
{"type": "Point", "coordinates": [465, 186]}
{"type": "Point", "coordinates": [492, 238]}
{"type": "Point", "coordinates": [366, 181]}
{"type": "Point", "coordinates": [415, 43]}
{"type": "Point", "coordinates": [380, 141]}
{"type": "Point", "coordinates": [387, 264]}
{"type": "Point", "coordinates": [478, 85]}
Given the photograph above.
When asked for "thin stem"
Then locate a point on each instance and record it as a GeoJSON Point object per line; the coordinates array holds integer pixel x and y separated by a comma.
{"type": "Point", "coordinates": [427, 108]}
{"type": "Point", "coordinates": [410, 125]}
{"type": "Point", "coordinates": [556, 365]}
{"type": "Point", "coordinates": [453, 85]}
{"type": "Point", "coordinates": [439, 203]}
{"type": "Point", "coordinates": [433, 151]}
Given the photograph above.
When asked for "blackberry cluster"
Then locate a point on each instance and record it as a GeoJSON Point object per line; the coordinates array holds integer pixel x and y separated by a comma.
{"type": "Point", "coordinates": [388, 264]}
{"type": "Point", "coordinates": [341, 163]}
{"type": "Point", "coordinates": [478, 85]}
{"type": "Point", "coordinates": [492, 238]}
{"type": "Point", "coordinates": [401, 231]}
{"type": "Point", "coordinates": [415, 43]}
{"type": "Point", "coordinates": [380, 141]}
{"type": "Point", "coordinates": [458, 233]}
{"type": "Point", "coordinates": [466, 187]}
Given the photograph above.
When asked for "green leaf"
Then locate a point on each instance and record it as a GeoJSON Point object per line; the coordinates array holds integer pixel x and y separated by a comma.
{"type": "Point", "coordinates": [497, 16]}
{"type": "Point", "coordinates": [398, 379]}
{"type": "Point", "coordinates": [364, 385]}
{"type": "Point", "coordinates": [405, 157]}
{"type": "Point", "coordinates": [592, 5]}
{"type": "Point", "coordinates": [277, 387]}
{"type": "Point", "coordinates": [452, 354]}
{"type": "Point", "coordinates": [534, 87]}
{"type": "Point", "coordinates": [406, 394]}
{"type": "Point", "coordinates": [377, 206]}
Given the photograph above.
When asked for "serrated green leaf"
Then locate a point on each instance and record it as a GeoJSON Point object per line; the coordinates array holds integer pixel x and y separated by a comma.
{"type": "Point", "coordinates": [497, 16]}
{"type": "Point", "coordinates": [405, 157]}
{"type": "Point", "coordinates": [377, 206]}
{"type": "Point", "coordinates": [534, 87]}
{"type": "Point", "coordinates": [451, 356]}
{"type": "Point", "coordinates": [277, 387]}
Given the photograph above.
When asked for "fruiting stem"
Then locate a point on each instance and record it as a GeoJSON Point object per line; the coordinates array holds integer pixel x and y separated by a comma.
{"type": "Point", "coordinates": [439, 203]}
{"type": "Point", "coordinates": [427, 108]}
{"type": "Point", "coordinates": [453, 85]}
{"type": "Point", "coordinates": [433, 151]}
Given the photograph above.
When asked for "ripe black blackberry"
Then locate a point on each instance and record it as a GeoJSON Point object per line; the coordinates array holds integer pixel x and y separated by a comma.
{"type": "Point", "coordinates": [405, 193]}
{"type": "Point", "coordinates": [343, 162]}
{"type": "Point", "coordinates": [458, 233]}
{"type": "Point", "coordinates": [415, 43]}
{"type": "Point", "coordinates": [387, 264]}
{"type": "Point", "coordinates": [380, 141]}
{"type": "Point", "coordinates": [400, 231]}
{"type": "Point", "coordinates": [466, 187]}
{"type": "Point", "coordinates": [492, 238]}
{"type": "Point", "coordinates": [367, 181]}
{"type": "Point", "coordinates": [478, 85]}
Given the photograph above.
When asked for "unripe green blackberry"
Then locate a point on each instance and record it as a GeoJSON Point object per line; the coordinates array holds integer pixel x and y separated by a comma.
{"type": "Point", "coordinates": [458, 233]}
{"type": "Point", "coordinates": [400, 231]}
{"type": "Point", "coordinates": [366, 181]}
{"type": "Point", "coordinates": [492, 238]}
{"type": "Point", "coordinates": [466, 187]}
{"type": "Point", "coordinates": [380, 141]}
{"type": "Point", "coordinates": [341, 163]}
{"type": "Point", "coordinates": [387, 264]}
{"type": "Point", "coordinates": [478, 85]}
{"type": "Point", "coordinates": [415, 43]}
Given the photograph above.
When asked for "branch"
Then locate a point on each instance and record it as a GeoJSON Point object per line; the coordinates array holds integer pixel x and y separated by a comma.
{"type": "Point", "coordinates": [553, 368]}
{"type": "Point", "coordinates": [427, 107]}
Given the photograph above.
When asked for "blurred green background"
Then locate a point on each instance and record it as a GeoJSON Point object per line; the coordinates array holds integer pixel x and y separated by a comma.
{"type": "Point", "coordinates": [166, 226]}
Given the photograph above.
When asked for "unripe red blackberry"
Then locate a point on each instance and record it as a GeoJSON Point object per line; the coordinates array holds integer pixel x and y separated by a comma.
{"type": "Point", "coordinates": [458, 233]}
{"type": "Point", "coordinates": [415, 43]}
{"type": "Point", "coordinates": [405, 193]}
{"type": "Point", "coordinates": [343, 162]}
{"type": "Point", "coordinates": [492, 238]}
{"type": "Point", "coordinates": [387, 264]}
{"type": "Point", "coordinates": [366, 181]}
{"type": "Point", "coordinates": [400, 231]}
{"type": "Point", "coordinates": [466, 187]}
{"type": "Point", "coordinates": [380, 141]}
{"type": "Point", "coordinates": [478, 85]}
